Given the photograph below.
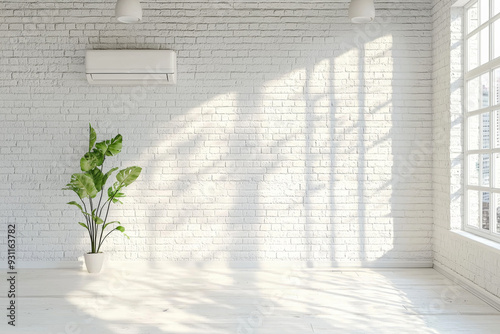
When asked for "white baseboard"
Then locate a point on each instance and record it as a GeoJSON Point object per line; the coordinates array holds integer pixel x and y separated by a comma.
{"type": "Point", "coordinates": [266, 265]}
{"type": "Point", "coordinates": [226, 264]}
{"type": "Point", "coordinates": [468, 285]}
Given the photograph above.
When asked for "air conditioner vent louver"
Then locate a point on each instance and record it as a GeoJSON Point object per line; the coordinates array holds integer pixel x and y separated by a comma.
{"type": "Point", "coordinates": [131, 67]}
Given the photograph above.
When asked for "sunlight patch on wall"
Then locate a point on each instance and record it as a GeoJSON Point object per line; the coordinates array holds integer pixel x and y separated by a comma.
{"type": "Point", "coordinates": [202, 174]}
{"type": "Point", "coordinates": [364, 172]}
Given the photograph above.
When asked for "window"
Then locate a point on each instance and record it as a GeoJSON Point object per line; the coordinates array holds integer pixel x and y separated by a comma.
{"type": "Point", "coordinates": [482, 118]}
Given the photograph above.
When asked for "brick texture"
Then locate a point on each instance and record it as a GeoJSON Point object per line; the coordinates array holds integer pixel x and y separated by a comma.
{"type": "Point", "coordinates": [292, 134]}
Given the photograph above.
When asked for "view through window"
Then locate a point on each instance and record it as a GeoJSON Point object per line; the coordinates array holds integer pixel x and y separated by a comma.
{"type": "Point", "coordinates": [482, 117]}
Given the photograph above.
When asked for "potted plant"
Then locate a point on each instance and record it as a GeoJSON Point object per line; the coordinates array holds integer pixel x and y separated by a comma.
{"type": "Point", "coordinates": [89, 186]}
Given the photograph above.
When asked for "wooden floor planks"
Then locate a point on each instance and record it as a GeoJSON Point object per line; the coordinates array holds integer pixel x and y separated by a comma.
{"type": "Point", "coordinates": [205, 301]}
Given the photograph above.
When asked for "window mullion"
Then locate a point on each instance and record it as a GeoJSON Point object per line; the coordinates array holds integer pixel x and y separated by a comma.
{"type": "Point", "coordinates": [478, 29]}
{"type": "Point", "coordinates": [487, 126]}
{"type": "Point", "coordinates": [492, 170]}
{"type": "Point", "coordinates": [489, 66]}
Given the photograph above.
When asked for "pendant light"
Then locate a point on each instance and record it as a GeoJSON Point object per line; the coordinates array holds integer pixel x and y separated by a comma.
{"type": "Point", "coordinates": [361, 11]}
{"type": "Point", "coordinates": [128, 11]}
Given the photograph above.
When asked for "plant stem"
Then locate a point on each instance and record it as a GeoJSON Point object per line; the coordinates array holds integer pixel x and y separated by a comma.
{"type": "Point", "coordinates": [85, 207]}
{"type": "Point", "coordinates": [94, 225]}
{"type": "Point", "coordinates": [105, 238]}
{"type": "Point", "coordinates": [88, 220]}
{"type": "Point", "coordinates": [109, 201]}
{"type": "Point", "coordinates": [107, 212]}
{"type": "Point", "coordinates": [113, 196]}
{"type": "Point", "coordinates": [99, 204]}
{"type": "Point", "coordinates": [100, 238]}
{"type": "Point", "coordinates": [102, 230]}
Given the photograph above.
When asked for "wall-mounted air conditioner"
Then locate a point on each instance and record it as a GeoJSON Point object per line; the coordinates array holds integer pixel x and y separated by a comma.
{"type": "Point", "coordinates": [131, 67]}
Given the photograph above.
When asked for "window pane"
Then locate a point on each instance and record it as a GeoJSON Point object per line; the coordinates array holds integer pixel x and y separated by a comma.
{"type": "Point", "coordinates": [496, 38]}
{"type": "Point", "coordinates": [474, 133]}
{"type": "Point", "coordinates": [473, 208]}
{"type": "Point", "coordinates": [485, 131]}
{"type": "Point", "coordinates": [496, 7]}
{"type": "Point", "coordinates": [473, 95]}
{"type": "Point", "coordinates": [473, 169]}
{"type": "Point", "coordinates": [496, 129]}
{"type": "Point", "coordinates": [496, 83]}
{"type": "Point", "coordinates": [485, 170]}
{"type": "Point", "coordinates": [473, 51]}
{"type": "Point", "coordinates": [485, 45]}
{"type": "Point", "coordinates": [484, 8]}
{"type": "Point", "coordinates": [478, 48]}
{"type": "Point", "coordinates": [485, 210]}
{"type": "Point", "coordinates": [472, 17]}
{"type": "Point", "coordinates": [485, 90]}
{"type": "Point", "coordinates": [479, 128]}
{"type": "Point", "coordinates": [496, 158]}
{"type": "Point", "coordinates": [478, 92]}
{"type": "Point", "coordinates": [496, 210]}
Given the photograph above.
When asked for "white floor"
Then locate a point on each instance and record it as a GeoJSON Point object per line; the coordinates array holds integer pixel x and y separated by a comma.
{"type": "Point", "coordinates": [206, 301]}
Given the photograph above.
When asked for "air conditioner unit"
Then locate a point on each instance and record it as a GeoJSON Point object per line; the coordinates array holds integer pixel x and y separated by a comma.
{"type": "Point", "coordinates": [131, 67]}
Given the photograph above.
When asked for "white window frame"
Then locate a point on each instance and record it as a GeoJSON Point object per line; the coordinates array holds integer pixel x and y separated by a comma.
{"type": "Point", "coordinates": [494, 232]}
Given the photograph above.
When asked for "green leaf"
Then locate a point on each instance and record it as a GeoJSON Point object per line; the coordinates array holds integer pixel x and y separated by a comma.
{"type": "Point", "coordinates": [108, 174]}
{"type": "Point", "coordinates": [84, 225]}
{"type": "Point", "coordinates": [110, 191]}
{"type": "Point", "coordinates": [69, 186]}
{"type": "Point", "coordinates": [116, 187]}
{"type": "Point", "coordinates": [122, 229]}
{"type": "Point", "coordinates": [110, 147]}
{"type": "Point", "coordinates": [113, 222]}
{"type": "Point", "coordinates": [97, 177]}
{"type": "Point", "coordinates": [92, 137]}
{"type": "Point", "coordinates": [118, 195]}
{"type": "Point", "coordinates": [83, 185]}
{"type": "Point", "coordinates": [76, 204]}
{"type": "Point", "coordinates": [91, 160]}
{"type": "Point", "coordinates": [100, 156]}
{"type": "Point", "coordinates": [87, 162]}
{"type": "Point", "coordinates": [128, 175]}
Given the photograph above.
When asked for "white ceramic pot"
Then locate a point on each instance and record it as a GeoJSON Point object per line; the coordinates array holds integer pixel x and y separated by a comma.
{"type": "Point", "coordinates": [93, 262]}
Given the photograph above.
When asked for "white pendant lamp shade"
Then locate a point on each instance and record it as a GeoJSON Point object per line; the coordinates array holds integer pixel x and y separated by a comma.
{"type": "Point", "coordinates": [128, 11]}
{"type": "Point", "coordinates": [361, 11]}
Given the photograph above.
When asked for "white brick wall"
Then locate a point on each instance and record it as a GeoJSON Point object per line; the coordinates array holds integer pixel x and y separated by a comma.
{"type": "Point", "coordinates": [474, 261]}
{"type": "Point", "coordinates": [291, 134]}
